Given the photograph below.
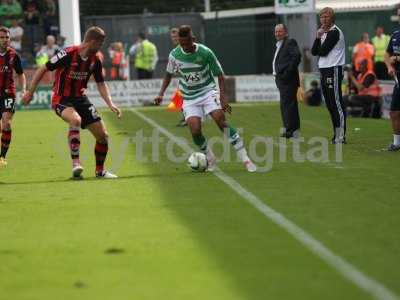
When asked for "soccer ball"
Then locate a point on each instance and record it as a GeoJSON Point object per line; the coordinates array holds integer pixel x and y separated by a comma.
{"type": "Point", "coordinates": [198, 162]}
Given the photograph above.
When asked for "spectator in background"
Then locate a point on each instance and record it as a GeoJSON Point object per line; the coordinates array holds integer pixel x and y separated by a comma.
{"type": "Point", "coordinates": [61, 41]}
{"type": "Point", "coordinates": [100, 55]}
{"type": "Point", "coordinates": [50, 20]}
{"type": "Point", "coordinates": [363, 50]}
{"type": "Point", "coordinates": [3, 12]}
{"type": "Point", "coordinates": [10, 9]}
{"type": "Point", "coordinates": [51, 47]}
{"type": "Point", "coordinates": [118, 62]}
{"type": "Point", "coordinates": [313, 96]}
{"type": "Point", "coordinates": [32, 18]}
{"type": "Point", "coordinates": [174, 35]}
{"type": "Point", "coordinates": [16, 34]}
{"type": "Point", "coordinates": [146, 57]}
{"type": "Point", "coordinates": [368, 95]}
{"type": "Point", "coordinates": [47, 51]}
{"type": "Point", "coordinates": [380, 43]}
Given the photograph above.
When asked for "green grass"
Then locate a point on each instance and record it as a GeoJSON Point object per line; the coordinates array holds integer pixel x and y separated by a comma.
{"type": "Point", "coordinates": [163, 232]}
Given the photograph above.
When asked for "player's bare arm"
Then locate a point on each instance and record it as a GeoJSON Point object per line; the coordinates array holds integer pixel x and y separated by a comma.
{"type": "Point", "coordinates": [105, 94]}
{"type": "Point", "coordinates": [22, 83]}
{"type": "Point", "coordinates": [224, 102]}
{"type": "Point", "coordinates": [164, 86]}
{"type": "Point", "coordinates": [389, 61]}
{"type": "Point", "coordinates": [37, 77]}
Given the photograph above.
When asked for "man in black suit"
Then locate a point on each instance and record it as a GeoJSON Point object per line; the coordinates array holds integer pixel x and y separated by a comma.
{"type": "Point", "coordinates": [285, 69]}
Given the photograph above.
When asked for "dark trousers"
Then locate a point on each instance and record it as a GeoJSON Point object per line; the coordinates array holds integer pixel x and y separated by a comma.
{"type": "Point", "coordinates": [144, 74]}
{"type": "Point", "coordinates": [381, 71]}
{"type": "Point", "coordinates": [370, 106]}
{"type": "Point", "coordinates": [331, 85]}
{"type": "Point", "coordinates": [289, 107]}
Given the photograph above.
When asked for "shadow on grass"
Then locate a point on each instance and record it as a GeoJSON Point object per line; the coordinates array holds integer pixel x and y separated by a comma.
{"type": "Point", "coordinates": [86, 179]}
{"type": "Point", "coordinates": [255, 257]}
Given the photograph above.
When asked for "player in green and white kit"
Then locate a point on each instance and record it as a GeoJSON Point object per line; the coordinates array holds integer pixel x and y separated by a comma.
{"type": "Point", "coordinates": [196, 65]}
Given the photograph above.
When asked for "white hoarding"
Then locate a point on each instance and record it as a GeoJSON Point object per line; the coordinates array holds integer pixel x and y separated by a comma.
{"type": "Point", "coordinates": [131, 93]}
{"type": "Point", "coordinates": [294, 6]}
{"type": "Point", "coordinates": [255, 88]}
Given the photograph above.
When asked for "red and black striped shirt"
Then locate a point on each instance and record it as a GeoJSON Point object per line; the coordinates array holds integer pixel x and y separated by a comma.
{"type": "Point", "coordinates": [9, 61]}
{"type": "Point", "coordinates": [73, 73]}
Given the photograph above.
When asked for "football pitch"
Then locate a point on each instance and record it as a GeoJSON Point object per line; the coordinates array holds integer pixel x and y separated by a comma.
{"type": "Point", "coordinates": [161, 231]}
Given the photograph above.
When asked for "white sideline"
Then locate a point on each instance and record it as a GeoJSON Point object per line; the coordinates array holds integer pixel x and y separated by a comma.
{"type": "Point", "coordinates": [347, 270]}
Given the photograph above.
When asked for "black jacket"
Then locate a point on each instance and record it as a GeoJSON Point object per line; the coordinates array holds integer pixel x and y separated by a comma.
{"type": "Point", "coordinates": [287, 62]}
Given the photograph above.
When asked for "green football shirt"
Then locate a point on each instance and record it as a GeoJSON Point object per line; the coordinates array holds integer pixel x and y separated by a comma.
{"type": "Point", "coordinates": [195, 70]}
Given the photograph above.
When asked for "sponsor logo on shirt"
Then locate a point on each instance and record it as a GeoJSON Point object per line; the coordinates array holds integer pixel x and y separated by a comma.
{"type": "Point", "coordinates": [78, 75]}
{"type": "Point", "coordinates": [192, 77]}
{"type": "Point", "coordinates": [4, 69]}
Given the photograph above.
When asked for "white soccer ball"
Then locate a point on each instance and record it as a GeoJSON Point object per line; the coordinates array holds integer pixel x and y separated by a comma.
{"type": "Point", "coordinates": [198, 162]}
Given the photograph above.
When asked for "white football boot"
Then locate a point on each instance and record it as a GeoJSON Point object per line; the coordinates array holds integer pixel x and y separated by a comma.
{"type": "Point", "coordinates": [250, 166]}
{"type": "Point", "coordinates": [77, 171]}
{"type": "Point", "coordinates": [106, 175]}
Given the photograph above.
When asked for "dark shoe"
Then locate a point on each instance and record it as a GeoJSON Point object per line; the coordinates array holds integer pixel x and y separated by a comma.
{"type": "Point", "coordinates": [287, 135]}
{"type": "Point", "coordinates": [291, 134]}
{"type": "Point", "coordinates": [393, 148]}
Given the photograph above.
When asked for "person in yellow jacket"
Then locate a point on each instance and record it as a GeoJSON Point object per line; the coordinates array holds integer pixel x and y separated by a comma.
{"type": "Point", "coordinates": [380, 43]}
{"type": "Point", "coordinates": [146, 57]}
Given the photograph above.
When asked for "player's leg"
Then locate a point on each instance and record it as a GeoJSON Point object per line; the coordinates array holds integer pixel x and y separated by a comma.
{"type": "Point", "coordinates": [194, 124]}
{"type": "Point", "coordinates": [7, 109]}
{"type": "Point", "coordinates": [92, 121]}
{"type": "Point", "coordinates": [6, 135]}
{"type": "Point", "coordinates": [193, 115]}
{"type": "Point", "coordinates": [395, 119]}
{"type": "Point", "coordinates": [283, 113]}
{"type": "Point", "coordinates": [329, 84]}
{"type": "Point", "coordinates": [99, 132]}
{"type": "Point", "coordinates": [342, 110]}
{"type": "Point", "coordinates": [74, 120]}
{"type": "Point", "coordinates": [212, 106]}
{"type": "Point", "coordinates": [234, 138]}
{"type": "Point", "coordinates": [3, 162]}
{"type": "Point", "coordinates": [289, 110]}
{"type": "Point", "coordinates": [182, 122]}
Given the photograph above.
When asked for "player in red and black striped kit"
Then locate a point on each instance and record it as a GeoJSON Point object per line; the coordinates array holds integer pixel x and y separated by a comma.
{"type": "Point", "coordinates": [74, 66]}
{"type": "Point", "coordinates": [9, 62]}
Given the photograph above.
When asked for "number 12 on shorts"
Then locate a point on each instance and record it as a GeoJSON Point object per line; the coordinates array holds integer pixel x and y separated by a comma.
{"type": "Point", "coordinates": [9, 103]}
{"type": "Point", "coordinates": [93, 111]}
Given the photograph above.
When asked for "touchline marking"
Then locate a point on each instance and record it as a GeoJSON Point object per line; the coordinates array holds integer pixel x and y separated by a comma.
{"type": "Point", "coordinates": [347, 270]}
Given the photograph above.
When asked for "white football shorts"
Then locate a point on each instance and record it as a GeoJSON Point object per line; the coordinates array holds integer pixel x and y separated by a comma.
{"type": "Point", "coordinates": [201, 107]}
